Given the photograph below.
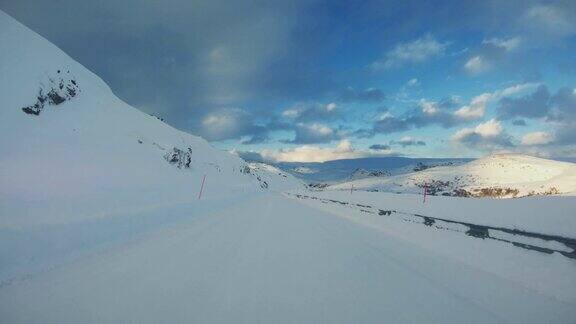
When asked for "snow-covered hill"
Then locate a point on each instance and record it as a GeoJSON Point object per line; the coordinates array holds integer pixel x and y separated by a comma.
{"type": "Point", "coordinates": [498, 175]}
{"type": "Point", "coordinates": [70, 149]}
{"type": "Point", "coordinates": [331, 172]}
{"type": "Point", "coordinates": [363, 174]}
{"type": "Point", "coordinates": [272, 177]}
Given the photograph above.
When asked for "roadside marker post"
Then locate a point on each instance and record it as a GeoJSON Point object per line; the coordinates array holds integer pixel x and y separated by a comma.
{"type": "Point", "coordinates": [201, 187]}
{"type": "Point", "coordinates": [425, 190]}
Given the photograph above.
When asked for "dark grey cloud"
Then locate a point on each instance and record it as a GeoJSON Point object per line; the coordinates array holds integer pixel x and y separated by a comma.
{"type": "Point", "coordinates": [379, 147]}
{"type": "Point", "coordinates": [519, 122]}
{"type": "Point", "coordinates": [389, 125]}
{"type": "Point", "coordinates": [424, 114]}
{"type": "Point", "coordinates": [412, 52]}
{"type": "Point", "coordinates": [408, 141]}
{"type": "Point", "coordinates": [258, 138]}
{"type": "Point", "coordinates": [370, 95]}
{"type": "Point", "coordinates": [250, 156]}
{"type": "Point", "coordinates": [564, 114]}
{"type": "Point", "coordinates": [534, 105]}
{"type": "Point", "coordinates": [177, 59]}
{"type": "Point", "coordinates": [564, 104]}
{"type": "Point", "coordinates": [477, 141]}
{"type": "Point", "coordinates": [560, 109]}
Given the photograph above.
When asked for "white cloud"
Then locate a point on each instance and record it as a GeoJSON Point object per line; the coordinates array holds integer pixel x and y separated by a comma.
{"type": "Point", "coordinates": [229, 123]}
{"type": "Point", "coordinates": [490, 54]}
{"type": "Point", "coordinates": [290, 113]}
{"type": "Point", "coordinates": [331, 106]}
{"type": "Point", "coordinates": [417, 51]}
{"type": "Point", "coordinates": [308, 153]}
{"type": "Point", "coordinates": [537, 138]}
{"type": "Point", "coordinates": [488, 136]}
{"type": "Point", "coordinates": [320, 129]}
{"type": "Point", "coordinates": [218, 121]}
{"type": "Point", "coordinates": [429, 107]}
{"type": "Point", "coordinates": [516, 89]}
{"type": "Point", "coordinates": [311, 111]}
{"type": "Point", "coordinates": [551, 20]}
{"type": "Point", "coordinates": [409, 141]}
{"type": "Point", "coordinates": [313, 133]}
{"type": "Point", "coordinates": [462, 134]}
{"type": "Point", "coordinates": [413, 82]}
{"type": "Point", "coordinates": [476, 108]}
{"type": "Point", "coordinates": [491, 128]}
{"type": "Point", "coordinates": [508, 44]}
{"type": "Point", "coordinates": [476, 65]}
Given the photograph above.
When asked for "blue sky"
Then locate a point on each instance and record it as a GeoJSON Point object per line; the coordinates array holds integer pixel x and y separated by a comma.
{"type": "Point", "coordinates": [317, 80]}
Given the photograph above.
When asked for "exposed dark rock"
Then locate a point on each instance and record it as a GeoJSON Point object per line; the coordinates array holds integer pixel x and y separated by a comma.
{"type": "Point", "coordinates": [181, 159]}
{"type": "Point", "coordinates": [55, 93]}
{"type": "Point", "coordinates": [318, 185]}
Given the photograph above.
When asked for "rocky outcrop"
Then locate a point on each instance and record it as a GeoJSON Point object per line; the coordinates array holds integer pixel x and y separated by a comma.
{"type": "Point", "coordinates": [54, 92]}
{"type": "Point", "coordinates": [179, 158]}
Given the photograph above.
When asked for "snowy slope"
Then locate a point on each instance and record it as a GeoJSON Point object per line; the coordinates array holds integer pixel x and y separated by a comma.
{"type": "Point", "coordinates": [363, 174]}
{"type": "Point", "coordinates": [272, 177]}
{"type": "Point", "coordinates": [498, 175]}
{"type": "Point", "coordinates": [70, 149]}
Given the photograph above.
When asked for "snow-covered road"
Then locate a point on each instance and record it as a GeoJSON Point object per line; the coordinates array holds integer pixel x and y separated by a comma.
{"type": "Point", "coordinates": [270, 259]}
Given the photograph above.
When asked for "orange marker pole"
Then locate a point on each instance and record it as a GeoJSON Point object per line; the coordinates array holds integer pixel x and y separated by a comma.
{"type": "Point", "coordinates": [202, 187]}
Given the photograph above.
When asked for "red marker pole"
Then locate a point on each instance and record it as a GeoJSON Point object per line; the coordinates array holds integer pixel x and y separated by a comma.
{"type": "Point", "coordinates": [202, 187]}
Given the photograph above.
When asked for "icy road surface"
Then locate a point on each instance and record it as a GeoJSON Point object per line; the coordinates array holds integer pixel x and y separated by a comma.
{"type": "Point", "coordinates": [271, 259]}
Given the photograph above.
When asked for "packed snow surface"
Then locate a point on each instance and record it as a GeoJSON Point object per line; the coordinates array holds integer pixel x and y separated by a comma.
{"type": "Point", "coordinates": [272, 259]}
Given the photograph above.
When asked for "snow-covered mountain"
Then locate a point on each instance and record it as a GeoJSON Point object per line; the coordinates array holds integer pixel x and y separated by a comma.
{"type": "Point", "coordinates": [498, 175]}
{"type": "Point", "coordinates": [70, 149]}
{"type": "Point", "coordinates": [331, 172]}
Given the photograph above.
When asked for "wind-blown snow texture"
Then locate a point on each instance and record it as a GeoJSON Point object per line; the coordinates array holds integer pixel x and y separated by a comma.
{"type": "Point", "coordinates": [100, 222]}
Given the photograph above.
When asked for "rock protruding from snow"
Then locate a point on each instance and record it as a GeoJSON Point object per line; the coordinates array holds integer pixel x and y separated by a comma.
{"type": "Point", "coordinates": [179, 158]}
{"type": "Point", "coordinates": [53, 92]}
{"type": "Point", "coordinates": [362, 174]}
